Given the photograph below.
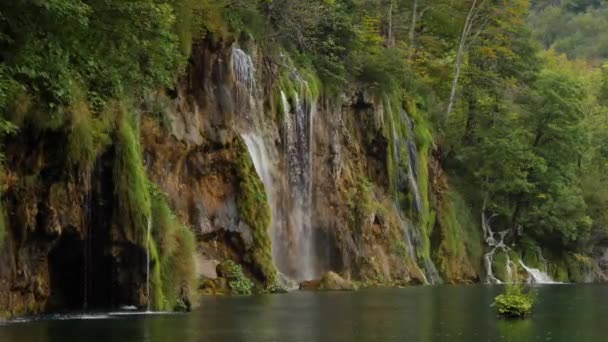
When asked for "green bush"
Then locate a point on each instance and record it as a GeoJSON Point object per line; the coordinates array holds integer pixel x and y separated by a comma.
{"type": "Point", "coordinates": [515, 302]}
{"type": "Point", "coordinates": [237, 280]}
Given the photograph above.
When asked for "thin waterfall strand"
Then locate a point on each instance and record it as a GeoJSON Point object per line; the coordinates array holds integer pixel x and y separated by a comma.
{"type": "Point", "coordinates": [536, 276]}
{"type": "Point", "coordinates": [148, 232]}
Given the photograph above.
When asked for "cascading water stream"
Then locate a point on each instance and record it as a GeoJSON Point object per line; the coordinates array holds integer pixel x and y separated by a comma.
{"type": "Point", "coordinates": [432, 275]}
{"type": "Point", "coordinates": [536, 276]}
{"type": "Point", "coordinates": [412, 173]}
{"type": "Point", "coordinates": [409, 233]}
{"type": "Point", "coordinates": [494, 245]}
{"type": "Point", "coordinates": [298, 140]}
{"type": "Point", "coordinates": [148, 232]}
{"type": "Point", "coordinates": [87, 238]}
{"type": "Point", "coordinates": [287, 176]}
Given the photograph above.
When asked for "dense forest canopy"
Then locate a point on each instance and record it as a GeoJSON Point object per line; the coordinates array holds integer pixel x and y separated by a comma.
{"type": "Point", "coordinates": [514, 90]}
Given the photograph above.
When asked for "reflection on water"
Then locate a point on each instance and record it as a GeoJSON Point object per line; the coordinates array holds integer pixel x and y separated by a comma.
{"type": "Point", "coordinates": [443, 313]}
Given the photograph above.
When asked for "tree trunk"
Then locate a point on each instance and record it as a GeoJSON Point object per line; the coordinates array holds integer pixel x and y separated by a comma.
{"type": "Point", "coordinates": [391, 39]}
{"type": "Point", "coordinates": [459, 57]}
{"type": "Point", "coordinates": [412, 33]}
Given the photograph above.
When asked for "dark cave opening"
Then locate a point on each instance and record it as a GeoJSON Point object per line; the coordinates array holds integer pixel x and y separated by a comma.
{"type": "Point", "coordinates": [100, 261]}
{"type": "Point", "coordinates": [81, 265]}
{"type": "Point", "coordinates": [66, 269]}
{"type": "Point", "coordinates": [80, 274]}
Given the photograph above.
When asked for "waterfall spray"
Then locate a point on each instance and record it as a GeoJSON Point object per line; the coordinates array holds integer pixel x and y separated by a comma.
{"type": "Point", "coordinates": [286, 173]}
{"type": "Point", "coordinates": [536, 276]}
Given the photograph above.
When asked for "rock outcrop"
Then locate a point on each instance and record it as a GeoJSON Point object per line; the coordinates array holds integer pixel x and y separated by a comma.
{"type": "Point", "coordinates": [67, 245]}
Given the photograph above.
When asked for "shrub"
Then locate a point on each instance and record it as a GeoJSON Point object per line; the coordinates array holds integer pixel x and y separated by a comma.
{"type": "Point", "coordinates": [237, 280]}
{"type": "Point", "coordinates": [514, 302]}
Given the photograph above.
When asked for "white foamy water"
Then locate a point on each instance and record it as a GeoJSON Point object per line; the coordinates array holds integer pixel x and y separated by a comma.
{"type": "Point", "coordinates": [536, 276]}
{"type": "Point", "coordinates": [284, 165]}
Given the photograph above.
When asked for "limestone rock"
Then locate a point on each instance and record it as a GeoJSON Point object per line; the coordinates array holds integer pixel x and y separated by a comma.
{"type": "Point", "coordinates": [206, 268]}
{"type": "Point", "coordinates": [333, 281]}
{"type": "Point", "coordinates": [330, 281]}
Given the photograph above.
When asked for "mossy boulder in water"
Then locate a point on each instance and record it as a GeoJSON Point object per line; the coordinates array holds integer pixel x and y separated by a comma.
{"type": "Point", "coordinates": [330, 281]}
{"type": "Point", "coordinates": [514, 302]}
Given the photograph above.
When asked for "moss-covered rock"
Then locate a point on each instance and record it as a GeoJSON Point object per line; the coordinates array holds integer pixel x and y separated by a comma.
{"type": "Point", "coordinates": [130, 181]}
{"type": "Point", "coordinates": [175, 247]}
{"type": "Point", "coordinates": [252, 203]}
{"type": "Point", "coordinates": [515, 302]}
{"type": "Point", "coordinates": [332, 281]}
{"type": "Point", "coordinates": [237, 281]}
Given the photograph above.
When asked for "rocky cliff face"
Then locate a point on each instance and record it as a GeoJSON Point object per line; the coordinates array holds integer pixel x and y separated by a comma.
{"type": "Point", "coordinates": [261, 167]}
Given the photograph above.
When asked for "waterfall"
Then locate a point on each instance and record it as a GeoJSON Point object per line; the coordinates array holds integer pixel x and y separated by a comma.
{"type": "Point", "coordinates": [87, 239]}
{"type": "Point", "coordinates": [148, 232]}
{"type": "Point", "coordinates": [496, 245]}
{"type": "Point", "coordinates": [408, 180]}
{"type": "Point", "coordinates": [287, 173]}
{"type": "Point", "coordinates": [244, 70]}
{"type": "Point", "coordinates": [257, 151]}
{"type": "Point", "coordinates": [298, 148]}
{"type": "Point", "coordinates": [432, 274]}
{"type": "Point", "coordinates": [536, 276]}
{"type": "Point", "coordinates": [412, 172]}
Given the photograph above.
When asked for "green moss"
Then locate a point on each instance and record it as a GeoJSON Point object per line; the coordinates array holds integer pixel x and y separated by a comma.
{"type": "Point", "coordinates": [580, 267]}
{"type": "Point", "coordinates": [461, 244]}
{"type": "Point", "coordinates": [423, 138]}
{"type": "Point", "coordinates": [399, 248]}
{"type": "Point", "coordinates": [362, 202]}
{"type": "Point", "coordinates": [156, 281]}
{"type": "Point", "coordinates": [290, 87]}
{"type": "Point", "coordinates": [130, 181]}
{"type": "Point", "coordinates": [172, 245]}
{"type": "Point", "coordinates": [254, 210]}
{"type": "Point", "coordinates": [173, 253]}
{"type": "Point", "coordinates": [394, 126]}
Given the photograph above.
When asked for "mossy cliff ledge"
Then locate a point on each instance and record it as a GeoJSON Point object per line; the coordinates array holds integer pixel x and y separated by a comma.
{"type": "Point", "coordinates": [249, 161]}
{"type": "Point", "coordinates": [167, 190]}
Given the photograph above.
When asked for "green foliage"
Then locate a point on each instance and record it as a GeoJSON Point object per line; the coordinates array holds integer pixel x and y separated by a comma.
{"type": "Point", "coordinates": [515, 302]}
{"type": "Point", "coordinates": [88, 136]}
{"type": "Point", "coordinates": [47, 48]}
{"type": "Point", "coordinates": [526, 162]}
{"type": "Point", "coordinates": [237, 280]}
{"type": "Point", "coordinates": [576, 27]}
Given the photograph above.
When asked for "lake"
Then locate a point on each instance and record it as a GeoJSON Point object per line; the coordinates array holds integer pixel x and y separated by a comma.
{"type": "Point", "coordinates": [425, 313]}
